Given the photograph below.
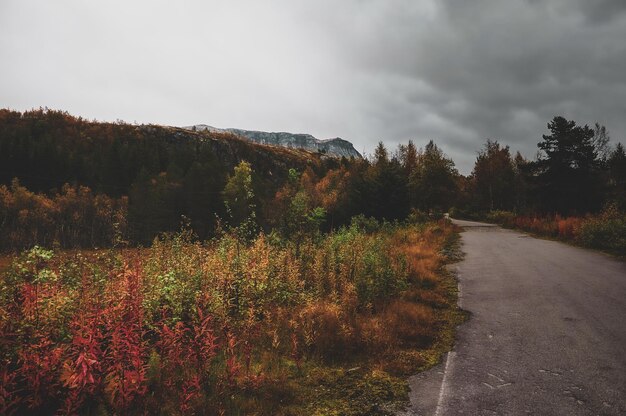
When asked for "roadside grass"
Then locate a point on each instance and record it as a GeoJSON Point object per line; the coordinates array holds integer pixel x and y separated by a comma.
{"type": "Point", "coordinates": [605, 231]}
{"type": "Point", "coordinates": [331, 325]}
{"type": "Point", "coordinates": [423, 320]}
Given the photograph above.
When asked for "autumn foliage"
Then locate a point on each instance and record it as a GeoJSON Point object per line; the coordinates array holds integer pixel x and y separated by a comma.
{"type": "Point", "coordinates": [186, 327]}
{"type": "Point", "coordinates": [73, 217]}
{"type": "Point", "coordinates": [606, 230]}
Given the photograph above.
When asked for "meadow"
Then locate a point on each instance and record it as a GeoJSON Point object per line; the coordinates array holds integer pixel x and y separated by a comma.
{"type": "Point", "coordinates": [325, 324]}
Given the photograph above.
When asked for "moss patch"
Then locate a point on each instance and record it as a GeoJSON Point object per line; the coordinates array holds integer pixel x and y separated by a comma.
{"type": "Point", "coordinates": [350, 392]}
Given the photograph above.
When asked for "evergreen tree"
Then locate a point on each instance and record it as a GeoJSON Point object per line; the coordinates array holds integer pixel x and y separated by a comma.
{"type": "Point", "coordinates": [568, 172]}
{"type": "Point", "coordinates": [435, 180]}
{"type": "Point", "coordinates": [494, 177]}
{"type": "Point", "coordinates": [408, 156]}
{"type": "Point", "coordinates": [386, 187]}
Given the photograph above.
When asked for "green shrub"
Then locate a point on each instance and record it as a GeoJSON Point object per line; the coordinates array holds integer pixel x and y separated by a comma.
{"type": "Point", "coordinates": [605, 232]}
{"type": "Point", "coordinates": [365, 224]}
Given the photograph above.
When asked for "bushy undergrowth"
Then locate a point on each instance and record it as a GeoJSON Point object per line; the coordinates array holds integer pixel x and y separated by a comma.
{"type": "Point", "coordinates": [224, 327]}
{"type": "Point", "coordinates": [605, 231]}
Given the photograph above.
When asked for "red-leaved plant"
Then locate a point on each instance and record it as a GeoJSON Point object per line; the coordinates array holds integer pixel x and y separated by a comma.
{"type": "Point", "coordinates": [187, 353]}
{"type": "Point", "coordinates": [125, 356]}
{"type": "Point", "coordinates": [39, 365]}
{"type": "Point", "coordinates": [82, 372]}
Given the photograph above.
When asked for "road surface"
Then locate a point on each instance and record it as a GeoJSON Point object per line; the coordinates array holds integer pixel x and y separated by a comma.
{"type": "Point", "coordinates": [547, 333]}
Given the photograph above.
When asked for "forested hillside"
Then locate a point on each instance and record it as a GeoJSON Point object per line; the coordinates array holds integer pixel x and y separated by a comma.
{"type": "Point", "coordinates": [165, 172]}
{"type": "Point", "coordinates": [64, 176]}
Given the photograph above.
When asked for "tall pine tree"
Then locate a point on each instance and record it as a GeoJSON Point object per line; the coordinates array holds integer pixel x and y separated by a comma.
{"type": "Point", "coordinates": [568, 172]}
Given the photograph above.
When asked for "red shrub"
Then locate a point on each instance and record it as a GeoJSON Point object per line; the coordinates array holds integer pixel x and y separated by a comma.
{"type": "Point", "coordinates": [568, 227]}
{"type": "Point", "coordinates": [204, 340]}
{"type": "Point", "coordinates": [126, 353]}
{"type": "Point", "coordinates": [190, 390]}
{"type": "Point", "coordinates": [232, 364]}
{"type": "Point", "coordinates": [82, 373]}
{"type": "Point", "coordinates": [186, 353]}
{"type": "Point", "coordinates": [39, 370]}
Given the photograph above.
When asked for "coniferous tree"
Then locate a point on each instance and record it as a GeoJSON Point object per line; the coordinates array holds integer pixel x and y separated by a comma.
{"type": "Point", "coordinates": [386, 183]}
{"type": "Point", "coordinates": [409, 158]}
{"type": "Point", "coordinates": [494, 177]}
{"type": "Point", "coordinates": [435, 180]}
{"type": "Point", "coordinates": [568, 172]}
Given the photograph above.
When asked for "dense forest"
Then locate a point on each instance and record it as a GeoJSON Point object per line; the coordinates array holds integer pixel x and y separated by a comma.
{"type": "Point", "coordinates": [78, 183]}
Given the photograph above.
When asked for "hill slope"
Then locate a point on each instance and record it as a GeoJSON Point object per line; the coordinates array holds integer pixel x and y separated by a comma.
{"type": "Point", "coordinates": [45, 148]}
{"type": "Point", "coordinates": [165, 171]}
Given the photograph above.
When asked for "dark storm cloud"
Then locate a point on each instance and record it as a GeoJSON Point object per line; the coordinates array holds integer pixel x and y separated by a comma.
{"type": "Point", "coordinates": [507, 67]}
{"type": "Point", "coordinates": [454, 71]}
{"type": "Point", "coordinates": [601, 11]}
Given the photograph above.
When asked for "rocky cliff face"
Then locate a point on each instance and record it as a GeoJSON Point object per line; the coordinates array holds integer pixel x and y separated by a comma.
{"type": "Point", "coordinates": [332, 147]}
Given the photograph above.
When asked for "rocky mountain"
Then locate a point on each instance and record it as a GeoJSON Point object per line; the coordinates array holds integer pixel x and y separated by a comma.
{"type": "Point", "coordinates": [331, 147]}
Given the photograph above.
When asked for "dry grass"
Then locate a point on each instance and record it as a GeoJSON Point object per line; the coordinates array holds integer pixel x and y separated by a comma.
{"type": "Point", "coordinates": [437, 298]}
{"type": "Point", "coordinates": [423, 256]}
{"type": "Point", "coordinates": [326, 330]}
{"type": "Point", "coordinates": [411, 324]}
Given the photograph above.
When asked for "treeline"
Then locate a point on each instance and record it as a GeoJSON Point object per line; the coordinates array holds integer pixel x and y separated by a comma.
{"type": "Point", "coordinates": [215, 180]}
{"type": "Point", "coordinates": [576, 172]}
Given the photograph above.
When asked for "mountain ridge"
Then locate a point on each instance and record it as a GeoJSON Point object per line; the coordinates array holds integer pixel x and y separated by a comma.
{"type": "Point", "coordinates": [336, 147]}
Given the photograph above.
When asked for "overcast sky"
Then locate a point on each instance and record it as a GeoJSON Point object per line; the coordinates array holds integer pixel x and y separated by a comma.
{"type": "Point", "coordinates": [457, 71]}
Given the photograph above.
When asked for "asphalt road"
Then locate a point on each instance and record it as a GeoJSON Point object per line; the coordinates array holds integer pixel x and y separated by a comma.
{"type": "Point", "coordinates": [547, 333]}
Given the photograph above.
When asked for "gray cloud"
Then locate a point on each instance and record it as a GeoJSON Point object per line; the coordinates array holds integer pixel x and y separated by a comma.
{"type": "Point", "coordinates": [454, 71]}
{"type": "Point", "coordinates": [602, 11]}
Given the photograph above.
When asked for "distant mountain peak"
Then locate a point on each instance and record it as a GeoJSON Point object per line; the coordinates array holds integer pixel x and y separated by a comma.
{"type": "Point", "coordinates": [332, 147]}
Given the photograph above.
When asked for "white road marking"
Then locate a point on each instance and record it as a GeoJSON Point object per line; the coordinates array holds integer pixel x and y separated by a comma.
{"type": "Point", "coordinates": [449, 358]}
